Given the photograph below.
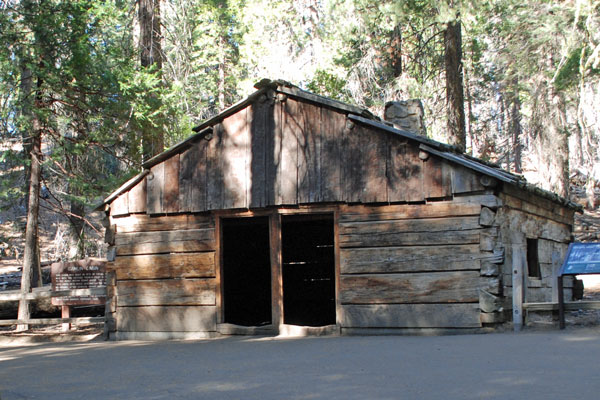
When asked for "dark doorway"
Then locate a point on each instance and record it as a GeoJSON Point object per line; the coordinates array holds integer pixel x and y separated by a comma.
{"type": "Point", "coordinates": [246, 271]}
{"type": "Point", "coordinates": [308, 270]}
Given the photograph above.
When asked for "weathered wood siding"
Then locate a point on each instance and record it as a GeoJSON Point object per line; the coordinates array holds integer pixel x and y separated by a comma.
{"type": "Point", "coordinates": [165, 272]}
{"type": "Point", "coordinates": [527, 217]}
{"type": "Point", "coordinates": [413, 266]}
{"type": "Point", "coordinates": [287, 152]}
{"type": "Point", "coordinates": [423, 242]}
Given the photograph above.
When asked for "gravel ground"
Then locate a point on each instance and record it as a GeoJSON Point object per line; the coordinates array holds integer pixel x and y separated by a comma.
{"type": "Point", "coordinates": [535, 365]}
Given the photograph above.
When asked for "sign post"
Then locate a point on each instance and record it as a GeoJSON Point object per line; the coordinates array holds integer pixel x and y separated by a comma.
{"type": "Point", "coordinates": [581, 259]}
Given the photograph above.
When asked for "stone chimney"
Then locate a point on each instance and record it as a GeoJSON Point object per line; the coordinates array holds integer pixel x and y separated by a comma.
{"type": "Point", "coordinates": [406, 115]}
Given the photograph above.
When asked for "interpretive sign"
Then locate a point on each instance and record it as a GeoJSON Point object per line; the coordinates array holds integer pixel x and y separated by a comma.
{"type": "Point", "coordinates": [82, 274]}
{"type": "Point", "coordinates": [581, 259]}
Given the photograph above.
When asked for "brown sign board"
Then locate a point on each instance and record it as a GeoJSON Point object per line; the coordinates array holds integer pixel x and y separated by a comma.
{"type": "Point", "coordinates": [82, 274]}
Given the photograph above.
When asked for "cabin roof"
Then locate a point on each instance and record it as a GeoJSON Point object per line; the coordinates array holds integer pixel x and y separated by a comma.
{"type": "Point", "coordinates": [356, 114]}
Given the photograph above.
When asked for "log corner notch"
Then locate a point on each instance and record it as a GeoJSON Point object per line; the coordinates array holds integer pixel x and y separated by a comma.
{"type": "Point", "coordinates": [110, 307]}
{"type": "Point", "coordinates": [491, 303]}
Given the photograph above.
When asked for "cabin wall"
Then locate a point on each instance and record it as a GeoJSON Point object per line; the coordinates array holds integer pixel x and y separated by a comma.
{"type": "Point", "coordinates": [404, 268]}
{"type": "Point", "coordinates": [524, 217]}
{"type": "Point", "coordinates": [414, 267]}
{"type": "Point", "coordinates": [165, 276]}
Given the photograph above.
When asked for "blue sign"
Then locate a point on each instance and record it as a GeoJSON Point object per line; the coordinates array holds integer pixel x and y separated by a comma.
{"type": "Point", "coordinates": [581, 259]}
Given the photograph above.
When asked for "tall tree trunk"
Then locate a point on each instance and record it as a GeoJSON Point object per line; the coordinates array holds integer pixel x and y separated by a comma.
{"type": "Point", "coordinates": [77, 210]}
{"type": "Point", "coordinates": [469, 118]}
{"type": "Point", "coordinates": [25, 88]}
{"type": "Point", "coordinates": [550, 134]}
{"type": "Point", "coordinates": [502, 131]}
{"type": "Point", "coordinates": [150, 56]}
{"type": "Point", "coordinates": [26, 102]}
{"type": "Point", "coordinates": [515, 127]}
{"type": "Point", "coordinates": [395, 52]}
{"type": "Point", "coordinates": [455, 109]}
{"type": "Point", "coordinates": [221, 88]}
{"type": "Point", "coordinates": [31, 260]}
{"type": "Point", "coordinates": [150, 33]}
{"type": "Point", "coordinates": [561, 140]}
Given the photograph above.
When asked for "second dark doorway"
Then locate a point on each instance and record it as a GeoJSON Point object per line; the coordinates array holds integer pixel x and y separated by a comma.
{"type": "Point", "coordinates": [308, 270]}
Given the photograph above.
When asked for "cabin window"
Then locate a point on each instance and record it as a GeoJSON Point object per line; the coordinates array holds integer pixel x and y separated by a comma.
{"type": "Point", "coordinates": [533, 263]}
{"type": "Point", "coordinates": [246, 271]}
{"type": "Point", "coordinates": [308, 270]}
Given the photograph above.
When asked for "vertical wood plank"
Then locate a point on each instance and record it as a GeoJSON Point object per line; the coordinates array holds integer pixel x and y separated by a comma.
{"type": "Point", "coordinates": [354, 177]}
{"type": "Point", "coordinates": [346, 161]}
{"type": "Point", "coordinates": [374, 150]}
{"type": "Point", "coordinates": [214, 171]}
{"type": "Point", "coordinates": [309, 138]}
{"type": "Point", "coordinates": [414, 175]}
{"type": "Point", "coordinates": [396, 168]}
{"type": "Point", "coordinates": [219, 297]}
{"type": "Point", "coordinates": [276, 270]}
{"type": "Point", "coordinates": [155, 182]}
{"type": "Point", "coordinates": [137, 197]}
{"type": "Point", "coordinates": [288, 165]}
{"type": "Point", "coordinates": [273, 154]}
{"type": "Point", "coordinates": [298, 123]}
{"type": "Point", "coordinates": [518, 266]}
{"type": "Point", "coordinates": [436, 178]}
{"type": "Point", "coordinates": [187, 162]}
{"type": "Point", "coordinates": [405, 172]}
{"type": "Point", "coordinates": [199, 179]}
{"type": "Point", "coordinates": [171, 185]}
{"type": "Point", "coordinates": [120, 205]}
{"type": "Point", "coordinates": [257, 119]}
{"type": "Point", "coordinates": [332, 125]}
{"type": "Point", "coordinates": [339, 309]}
{"type": "Point", "coordinates": [446, 178]}
{"type": "Point", "coordinates": [556, 264]}
{"type": "Point", "coordinates": [464, 180]}
{"type": "Point", "coordinates": [234, 160]}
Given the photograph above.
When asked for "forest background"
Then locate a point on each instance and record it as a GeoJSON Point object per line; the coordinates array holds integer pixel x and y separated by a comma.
{"type": "Point", "coordinates": [89, 89]}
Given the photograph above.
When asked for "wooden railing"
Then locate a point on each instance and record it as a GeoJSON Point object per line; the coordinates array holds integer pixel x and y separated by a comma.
{"type": "Point", "coordinates": [569, 306]}
{"type": "Point", "coordinates": [40, 293]}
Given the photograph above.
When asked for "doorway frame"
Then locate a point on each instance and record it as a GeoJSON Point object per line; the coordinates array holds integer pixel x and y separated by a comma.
{"type": "Point", "coordinates": [277, 327]}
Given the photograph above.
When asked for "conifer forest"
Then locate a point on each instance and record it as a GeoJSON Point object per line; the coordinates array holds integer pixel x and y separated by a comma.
{"type": "Point", "coordinates": [90, 89]}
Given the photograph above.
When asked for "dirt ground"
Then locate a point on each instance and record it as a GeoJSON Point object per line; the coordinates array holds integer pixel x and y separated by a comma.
{"type": "Point", "coordinates": [532, 365]}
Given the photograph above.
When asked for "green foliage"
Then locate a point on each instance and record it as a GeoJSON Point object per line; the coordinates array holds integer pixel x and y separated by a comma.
{"type": "Point", "coordinates": [568, 74]}
{"type": "Point", "coordinates": [93, 98]}
{"type": "Point", "coordinates": [327, 84]}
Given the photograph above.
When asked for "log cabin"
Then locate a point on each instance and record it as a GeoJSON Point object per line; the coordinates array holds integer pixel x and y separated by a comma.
{"type": "Point", "coordinates": [292, 213]}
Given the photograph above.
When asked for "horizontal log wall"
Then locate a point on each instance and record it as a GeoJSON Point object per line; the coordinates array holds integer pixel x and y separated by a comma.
{"type": "Point", "coordinates": [287, 152]}
{"type": "Point", "coordinates": [165, 273]}
{"type": "Point", "coordinates": [524, 216]}
{"type": "Point", "coordinates": [414, 266]}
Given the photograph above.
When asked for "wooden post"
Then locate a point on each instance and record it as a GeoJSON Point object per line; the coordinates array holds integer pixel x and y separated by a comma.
{"type": "Point", "coordinates": [561, 303]}
{"type": "Point", "coordinates": [517, 286]}
{"type": "Point", "coordinates": [556, 279]}
{"type": "Point", "coordinates": [276, 272]}
{"type": "Point", "coordinates": [24, 311]}
{"type": "Point", "coordinates": [338, 303]}
{"type": "Point", "coordinates": [66, 313]}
